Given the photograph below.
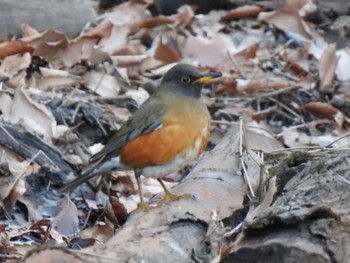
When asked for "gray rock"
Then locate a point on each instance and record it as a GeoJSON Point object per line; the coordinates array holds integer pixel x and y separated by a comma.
{"type": "Point", "coordinates": [68, 16]}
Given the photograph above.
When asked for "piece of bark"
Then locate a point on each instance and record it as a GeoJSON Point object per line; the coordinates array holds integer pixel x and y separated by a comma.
{"type": "Point", "coordinates": [308, 220]}
{"type": "Point", "coordinates": [28, 145]}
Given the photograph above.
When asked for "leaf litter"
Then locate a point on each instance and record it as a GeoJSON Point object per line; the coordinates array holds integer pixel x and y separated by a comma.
{"type": "Point", "coordinates": [60, 98]}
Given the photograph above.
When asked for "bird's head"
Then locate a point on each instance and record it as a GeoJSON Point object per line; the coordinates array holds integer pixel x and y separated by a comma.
{"type": "Point", "coordinates": [186, 80]}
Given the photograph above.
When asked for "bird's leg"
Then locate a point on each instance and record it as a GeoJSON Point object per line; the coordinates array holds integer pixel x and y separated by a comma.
{"type": "Point", "coordinates": [142, 205]}
{"type": "Point", "coordinates": [168, 197]}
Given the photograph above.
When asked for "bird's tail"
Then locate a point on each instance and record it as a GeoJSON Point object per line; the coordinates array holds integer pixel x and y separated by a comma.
{"type": "Point", "coordinates": [95, 170]}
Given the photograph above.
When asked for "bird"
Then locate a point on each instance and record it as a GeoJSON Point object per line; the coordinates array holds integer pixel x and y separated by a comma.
{"type": "Point", "coordinates": [167, 132]}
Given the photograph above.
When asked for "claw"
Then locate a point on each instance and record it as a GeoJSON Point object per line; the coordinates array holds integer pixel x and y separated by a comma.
{"type": "Point", "coordinates": [169, 197]}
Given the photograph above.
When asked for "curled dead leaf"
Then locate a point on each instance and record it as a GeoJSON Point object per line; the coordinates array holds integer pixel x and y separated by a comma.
{"type": "Point", "coordinates": [103, 30]}
{"type": "Point", "coordinates": [66, 222]}
{"type": "Point", "coordinates": [242, 11]}
{"type": "Point", "coordinates": [289, 20]}
{"type": "Point", "coordinates": [327, 65]}
{"type": "Point", "coordinates": [118, 209]}
{"type": "Point", "coordinates": [248, 53]}
{"type": "Point", "coordinates": [9, 48]}
{"type": "Point", "coordinates": [321, 109]}
{"type": "Point", "coordinates": [166, 54]}
{"type": "Point", "coordinates": [28, 31]}
{"type": "Point", "coordinates": [252, 86]}
{"type": "Point", "coordinates": [154, 22]}
{"type": "Point", "coordinates": [184, 16]}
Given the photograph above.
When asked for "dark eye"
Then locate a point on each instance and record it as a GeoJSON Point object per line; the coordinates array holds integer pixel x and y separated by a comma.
{"type": "Point", "coordinates": [185, 79]}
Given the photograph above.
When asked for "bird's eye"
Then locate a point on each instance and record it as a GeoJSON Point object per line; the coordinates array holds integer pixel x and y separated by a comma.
{"type": "Point", "coordinates": [185, 79]}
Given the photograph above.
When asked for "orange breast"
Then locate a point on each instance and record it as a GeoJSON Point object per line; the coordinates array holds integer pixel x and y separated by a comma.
{"type": "Point", "coordinates": [178, 135]}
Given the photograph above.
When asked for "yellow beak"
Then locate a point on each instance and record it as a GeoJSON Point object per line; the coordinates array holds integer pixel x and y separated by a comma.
{"type": "Point", "coordinates": [206, 77]}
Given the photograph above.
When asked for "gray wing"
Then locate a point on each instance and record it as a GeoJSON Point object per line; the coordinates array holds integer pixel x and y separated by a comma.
{"type": "Point", "coordinates": [146, 119]}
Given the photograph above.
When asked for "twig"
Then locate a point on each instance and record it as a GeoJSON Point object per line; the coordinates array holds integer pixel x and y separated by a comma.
{"type": "Point", "coordinates": [235, 64]}
{"type": "Point", "coordinates": [242, 162]}
{"type": "Point", "coordinates": [340, 138]}
{"type": "Point", "coordinates": [288, 109]}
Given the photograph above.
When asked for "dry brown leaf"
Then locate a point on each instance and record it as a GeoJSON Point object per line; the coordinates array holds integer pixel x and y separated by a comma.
{"type": "Point", "coordinates": [248, 53]}
{"type": "Point", "coordinates": [208, 25]}
{"type": "Point", "coordinates": [252, 86]}
{"type": "Point", "coordinates": [140, 95]}
{"type": "Point", "coordinates": [17, 190]}
{"type": "Point", "coordinates": [327, 65]}
{"type": "Point", "coordinates": [294, 138]}
{"type": "Point", "coordinates": [289, 20]}
{"type": "Point", "coordinates": [9, 48]}
{"type": "Point", "coordinates": [208, 52]}
{"type": "Point", "coordinates": [293, 5]}
{"type": "Point", "coordinates": [100, 231]}
{"type": "Point", "coordinates": [184, 16]}
{"type": "Point", "coordinates": [12, 65]}
{"type": "Point", "coordinates": [59, 50]}
{"type": "Point", "coordinates": [326, 110]}
{"type": "Point", "coordinates": [229, 86]}
{"type": "Point", "coordinates": [166, 54]}
{"type": "Point", "coordinates": [129, 60]}
{"type": "Point", "coordinates": [52, 37]}
{"type": "Point", "coordinates": [321, 109]}
{"type": "Point", "coordinates": [150, 64]}
{"type": "Point", "coordinates": [118, 209]}
{"type": "Point", "coordinates": [127, 14]}
{"type": "Point", "coordinates": [6, 247]}
{"type": "Point", "coordinates": [28, 31]}
{"type": "Point", "coordinates": [33, 115]}
{"type": "Point", "coordinates": [154, 22]}
{"type": "Point", "coordinates": [118, 43]}
{"type": "Point", "coordinates": [256, 134]}
{"type": "Point", "coordinates": [298, 68]}
{"type": "Point", "coordinates": [66, 222]}
{"type": "Point", "coordinates": [342, 70]}
{"type": "Point", "coordinates": [102, 83]}
{"type": "Point", "coordinates": [50, 78]}
{"type": "Point", "coordinates": [11, 172]}
{"type": "Point", "coordinates": [103, 30]}
{"type": "Point", "coordinates": [76, 51]}
{"type": "Point", "coordinates": [5, 104]}
{"type": "Point", "coordinates": [123, 184]}
{"type": "Point", "coordinates": [241, 12]}
{"type": "Point", "coordinates": [160, 71]}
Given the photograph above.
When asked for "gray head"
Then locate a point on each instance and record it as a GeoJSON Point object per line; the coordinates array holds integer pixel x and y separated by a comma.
{"type": "Point", "coordinates": [186, 80]}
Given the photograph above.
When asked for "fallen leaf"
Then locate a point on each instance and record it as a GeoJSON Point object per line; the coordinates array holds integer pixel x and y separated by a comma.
{"type": "Point", "coordinates": [241, 12]}
{"type": "Point", "coordinates": [289, 20]}
{"type": "Point", "coordinates": [327, 65]}
{"type": "Point", "coordinates": [35, 116]}
{"type": "Point", "coordinates": [208, 52]}
{"type": "Point", "coordinates": [9, 48]}
{"type": "Point", "coordinates": [321, 109]}
{"type": "Point", "coordinates": [342, 69]}
{"type": "Point", "coordinates": [50, 78]}
{"type": "Point", "coordinates": [154, 22]}
{"type": "Point", "coordinates": [66, 222]}
{"type": "Point", "coordinates": [102, 83]}
{"type": "Point", "coordinates": [12, 65]}
{"type": "Point", "coordinates": [28, 31]}
{"type": "Point", "coordinates": [102, 30]}
{"type": "Point", "coordinates": [166, 54]}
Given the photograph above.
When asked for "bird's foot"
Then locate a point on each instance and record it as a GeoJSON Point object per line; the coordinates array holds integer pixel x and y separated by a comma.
{"type": "Point", "coordinates": [142, 206]}
{"type": "Point", "coordinates": [169, 197]}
